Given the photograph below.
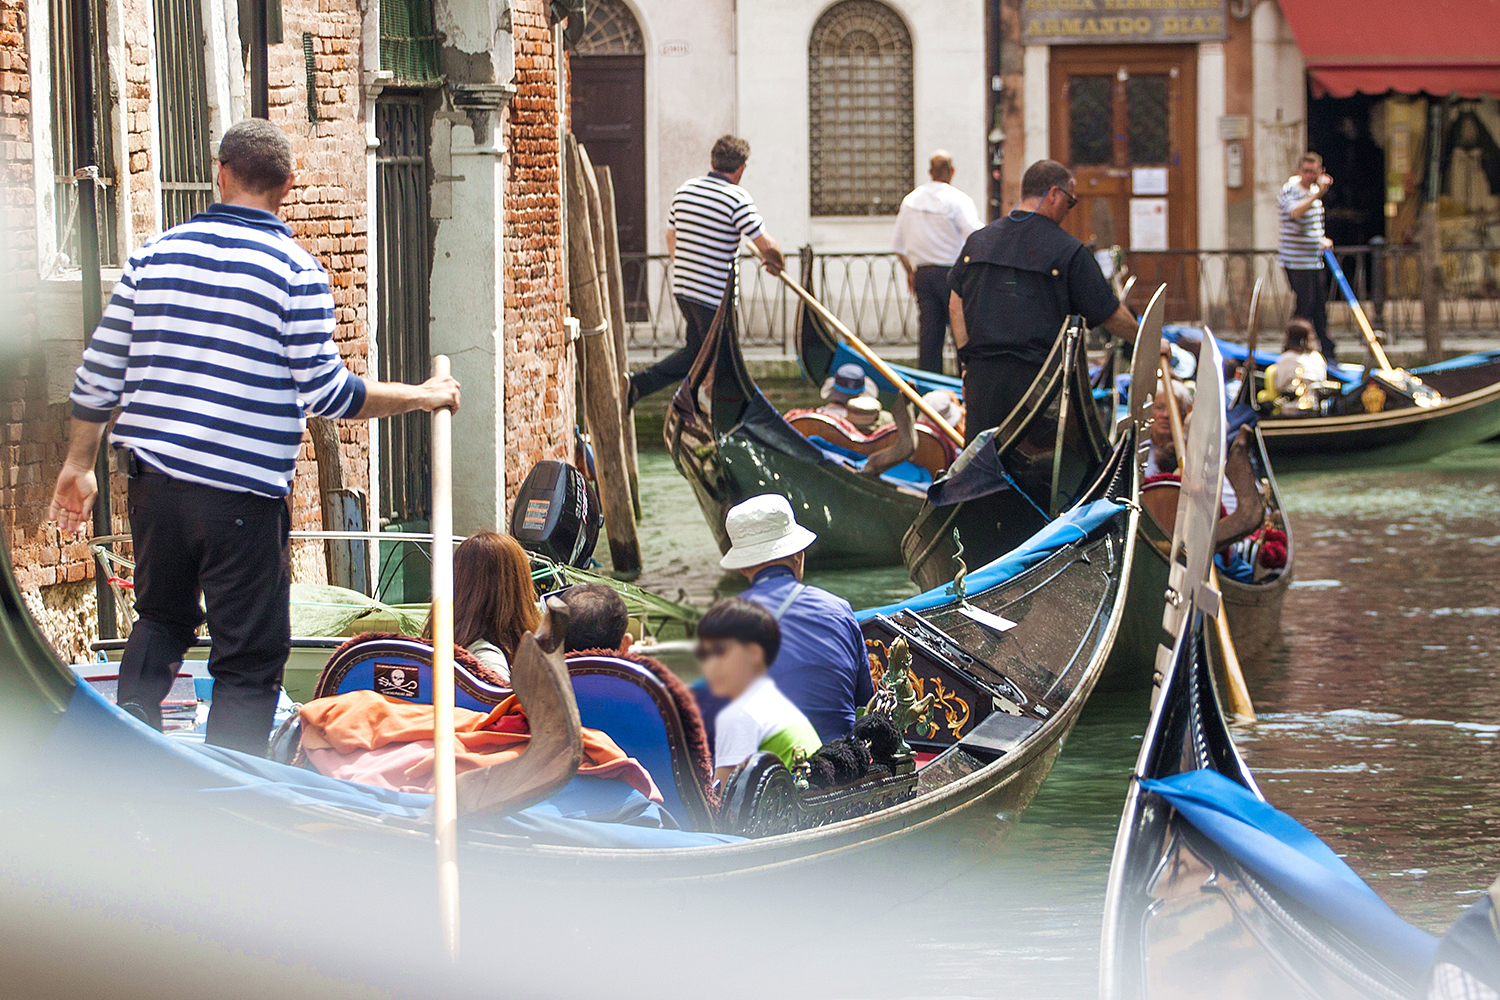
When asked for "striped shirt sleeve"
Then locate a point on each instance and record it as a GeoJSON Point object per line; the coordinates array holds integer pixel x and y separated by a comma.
{"type": "Point", "coordinates": [324, 385]}
{"type": "Point", "coordinates": [747, 220]}
{"type": "Point", "coordinates": [100, 380]}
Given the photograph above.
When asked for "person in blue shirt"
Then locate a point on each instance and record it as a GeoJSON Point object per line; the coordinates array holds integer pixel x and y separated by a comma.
{"type": "Point", "coordinates": [822, 666]}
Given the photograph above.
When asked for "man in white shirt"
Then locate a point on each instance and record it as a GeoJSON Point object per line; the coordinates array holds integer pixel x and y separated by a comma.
{"type": "Point", "coordinates": [931, 228]}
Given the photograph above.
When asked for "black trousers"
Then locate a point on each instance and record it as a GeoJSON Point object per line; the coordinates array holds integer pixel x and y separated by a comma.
{"type": "Point", "coordinates": [992, 388]}
{"type": "Point", "coordinates": [231, 549]}
{"type": "Point", "coordinates": [932, 314]}
{"type": "Point", "coordinates": [1310, 285]}
{"type": "Point", "coordinates": [673, 368]}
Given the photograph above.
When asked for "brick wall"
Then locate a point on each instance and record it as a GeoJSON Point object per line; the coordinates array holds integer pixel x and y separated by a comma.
{"type": "Point", "coordinates": [539, 363]}
{"type": "Point", "coordinates": [328, 215]}
{"type": "Point", "coordinates": [327, 212]}
{"type": "Point", "coordinates": [32, 433]}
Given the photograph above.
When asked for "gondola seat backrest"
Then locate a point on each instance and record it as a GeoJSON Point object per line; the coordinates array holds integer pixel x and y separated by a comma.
{"type": "Point", "coordinates": [402, 668]}
{"type": "Point", "coordinates": [636, 709]}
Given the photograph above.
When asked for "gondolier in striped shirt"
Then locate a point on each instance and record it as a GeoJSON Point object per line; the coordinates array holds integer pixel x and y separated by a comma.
{"type": "Point", "coordinates": [708, 217]}
{"type": "Point", "coordinates": [1303, 242]}
{"type": "Point", "coordinates": [216, 344]}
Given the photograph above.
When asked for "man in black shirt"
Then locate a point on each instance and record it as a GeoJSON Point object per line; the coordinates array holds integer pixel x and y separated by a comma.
{"type": "Point", "coordinates": [1015, 283]}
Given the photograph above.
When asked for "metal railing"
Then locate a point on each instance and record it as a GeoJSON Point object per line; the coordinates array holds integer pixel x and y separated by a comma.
{"type": "Point", "coordinates": [868, 292]}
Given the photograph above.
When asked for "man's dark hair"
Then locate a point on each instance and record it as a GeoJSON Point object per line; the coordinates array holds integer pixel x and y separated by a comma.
{"type": "Point", "coordinates": [729, 154]}
{"type": "Point", "coordinates": [1042, 176]}
{"type": "Point", "coordinates": [1311, 157]}
{"type": "Point", "coordinates": [739, 619]}
{"type": "Point", "coordinates": [258, 153]}
{"type": "Point", "coordinates": [597, 617]}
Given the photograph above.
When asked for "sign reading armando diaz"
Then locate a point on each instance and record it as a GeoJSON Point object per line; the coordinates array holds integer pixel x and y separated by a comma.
{"type": "Point", "coordinates": [1116, 22]}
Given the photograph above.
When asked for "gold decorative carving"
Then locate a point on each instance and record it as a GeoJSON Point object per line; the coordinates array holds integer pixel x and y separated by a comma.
{"type": "Point", "coordinates": [1373, 398]}
{"type": "Point", "coordinates": [956, 711]}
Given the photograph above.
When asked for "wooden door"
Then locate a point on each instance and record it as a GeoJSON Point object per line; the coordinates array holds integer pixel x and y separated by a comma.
{"type": "Point", "coordinates": [609, 118]}
{"type": "Point", "coordinates": [1124, 120]}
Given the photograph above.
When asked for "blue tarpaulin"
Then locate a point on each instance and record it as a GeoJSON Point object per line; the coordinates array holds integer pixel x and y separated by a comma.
{"type": "Point", "coordinates": [1073, 526]}
{"type": "Point", "coordinates": [1291, 858]}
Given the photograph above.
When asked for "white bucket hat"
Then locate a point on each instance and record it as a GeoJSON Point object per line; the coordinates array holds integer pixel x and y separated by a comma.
{"type": "Point", "coordinates": [762, 529]}
{"type": "Point", "coordinates": [848, 381]}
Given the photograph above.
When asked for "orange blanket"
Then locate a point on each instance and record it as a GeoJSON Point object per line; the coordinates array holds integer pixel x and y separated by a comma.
{"type": "Point", "coordinates": [354, 724]}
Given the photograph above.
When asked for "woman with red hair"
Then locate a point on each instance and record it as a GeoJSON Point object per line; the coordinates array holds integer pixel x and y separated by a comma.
{"type": "Point", "coordinates": [494, 600]}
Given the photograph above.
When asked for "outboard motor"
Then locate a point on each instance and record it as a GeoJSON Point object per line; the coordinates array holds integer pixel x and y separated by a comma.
{"type": "Point", "coordinates": [557, 514]}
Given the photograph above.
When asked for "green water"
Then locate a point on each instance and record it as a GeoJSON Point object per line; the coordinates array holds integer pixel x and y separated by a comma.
{"type": "Point", "coordinates": [1378, 719]}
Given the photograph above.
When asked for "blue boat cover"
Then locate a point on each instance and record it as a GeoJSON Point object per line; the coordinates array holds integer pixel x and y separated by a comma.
{"type": "Point", "coordinates": [1290, 857]}
{"type": "Point", "coordinates": [1072, 526]}
{"type": "Point", "coordinates": [923, 382]}
{"type": "Point", "coordinates": [1464, 361]}
{"type": "Point", "coordinates": [1237, 352]}
{"type": "Point", "coordinates": [106, 745]}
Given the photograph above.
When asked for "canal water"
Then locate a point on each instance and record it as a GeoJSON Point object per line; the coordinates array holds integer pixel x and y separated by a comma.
{"type": "Point", "coordinates": [1378, 721]}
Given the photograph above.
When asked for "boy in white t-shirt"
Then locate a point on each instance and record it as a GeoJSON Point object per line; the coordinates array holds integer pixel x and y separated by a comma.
{"type": "Point", "coordinates": [737, 641]}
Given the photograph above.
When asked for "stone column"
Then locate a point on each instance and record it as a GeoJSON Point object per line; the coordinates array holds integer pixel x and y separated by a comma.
{"type": "Point", "coordinates": [468, 295]}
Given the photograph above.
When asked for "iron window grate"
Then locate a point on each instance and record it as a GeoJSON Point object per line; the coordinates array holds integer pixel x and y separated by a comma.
{"type": "Point", "coordinates": [65, 157]}
{"type": "Point", "coordinates": [186, 167]}
{"type": "Point", "coordinates": [860, 104]}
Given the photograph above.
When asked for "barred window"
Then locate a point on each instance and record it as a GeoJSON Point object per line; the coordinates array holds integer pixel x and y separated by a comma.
{"type": "Point", "coordinates": [612, 31]}
{"type": "Point", "coordinates": [860, 110]}
{"type": "Point", "coordinates": [65, 155]}
{"type": "Point", "coordinates": [186, 166]}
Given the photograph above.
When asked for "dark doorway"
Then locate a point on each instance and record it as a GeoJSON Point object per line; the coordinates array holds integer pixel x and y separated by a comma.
{"type": "Point", "coordinates": [609, 119]}
{"type": "Point", "coordinates": [1338, 128]}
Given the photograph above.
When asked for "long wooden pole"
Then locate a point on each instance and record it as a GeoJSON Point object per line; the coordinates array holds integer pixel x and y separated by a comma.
{"type": "Point", "coordinates": [1237, 690]}
{"type": "Point", "coordinates": [615, 286]}
{"type": "Point", "coordinates": [602, 400]}
{"type": "Point", "coordinates": [859, 347]}
{"type": "Point", "coordinates": [445, 779]}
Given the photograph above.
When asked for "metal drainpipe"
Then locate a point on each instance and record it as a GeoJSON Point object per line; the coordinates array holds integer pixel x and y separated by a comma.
{"type": "Point", "coordinates": [260, 75]}
{"type": "Point", "coordinates": [88, 261]}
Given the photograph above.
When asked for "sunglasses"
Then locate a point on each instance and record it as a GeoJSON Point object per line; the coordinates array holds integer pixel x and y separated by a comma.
{"type": "Point", "coordinates": [1072, 198]}
{"type": "Point", "coordinates": [709, 650]}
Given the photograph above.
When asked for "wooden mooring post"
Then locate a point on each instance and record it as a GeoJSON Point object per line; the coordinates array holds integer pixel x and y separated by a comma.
{"type": "Point", "coordinates": [602, 398]}
{"type": "Point", "coordinates": [615, 276]}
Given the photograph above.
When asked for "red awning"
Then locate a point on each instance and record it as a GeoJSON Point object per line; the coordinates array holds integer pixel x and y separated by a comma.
{"type": "Point", "coordinates": [1374, 46]}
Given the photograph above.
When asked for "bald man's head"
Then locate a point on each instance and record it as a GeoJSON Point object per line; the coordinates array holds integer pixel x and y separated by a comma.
{"type": "Point", "coordinates": [940, 167]}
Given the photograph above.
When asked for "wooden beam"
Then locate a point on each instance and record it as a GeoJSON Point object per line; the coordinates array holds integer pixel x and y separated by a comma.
{"type": "Point", "coordinates": [602, 399]}
{"type": "Point", "coordinates": [615, 281]}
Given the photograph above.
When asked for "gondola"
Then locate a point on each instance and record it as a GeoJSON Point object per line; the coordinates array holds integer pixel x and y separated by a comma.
{"type": "Point", "coordinates": [1398, 432]}
{"type": "Point", "coordinates": [991, 705]}
{"type": "Point", "coordinates": [981, 502]}
{"type": "Point", "coordinates": [1253, 604]}
{"type": "Point", "coordinates": [1211, 891]}
{"type": "Point", "coordinates": [730, 443]}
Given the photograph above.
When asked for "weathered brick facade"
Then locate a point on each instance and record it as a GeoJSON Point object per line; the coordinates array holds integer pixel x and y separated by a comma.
{"type": "Point", "coordinates": [540, 409]}
{"type": "Point", "coordinates": [329, 215]}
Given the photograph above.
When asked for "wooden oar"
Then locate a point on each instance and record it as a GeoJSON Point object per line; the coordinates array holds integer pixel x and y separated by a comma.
{"type": "Point", "coordinates": [859, 347]}
{"type": "Point", "coordinates": [1238, 691]}
{"type": "Point", "coordinates": [1359, 313]}
{"type": "Point", "coordinates": [444, 778]}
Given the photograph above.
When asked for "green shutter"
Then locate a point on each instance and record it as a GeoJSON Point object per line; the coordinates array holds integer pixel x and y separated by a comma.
{"type": "Point", "coordinates": [408, 41]}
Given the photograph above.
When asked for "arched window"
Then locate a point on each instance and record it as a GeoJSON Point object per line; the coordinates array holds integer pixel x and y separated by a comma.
{"type": "Point", "coordinates": [859, 110]}
{"type": "Point", "coordinates": [612, 30]}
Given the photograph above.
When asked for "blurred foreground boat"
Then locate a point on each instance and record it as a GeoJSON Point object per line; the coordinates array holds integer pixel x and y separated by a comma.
{"type": "Point", "coordinates": [990, 680]}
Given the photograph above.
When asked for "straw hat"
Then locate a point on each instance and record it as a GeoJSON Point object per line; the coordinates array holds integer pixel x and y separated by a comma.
{"type": "Point", "coordinates": [864, 412]}
{"type": "Point", "coordinates": [761, 530]}
{"type": "Point", "coordinates": [847, 382]}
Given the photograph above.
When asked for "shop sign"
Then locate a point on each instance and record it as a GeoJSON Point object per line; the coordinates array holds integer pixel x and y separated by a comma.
{"type": "Point", "coordinates": [1119, 22]}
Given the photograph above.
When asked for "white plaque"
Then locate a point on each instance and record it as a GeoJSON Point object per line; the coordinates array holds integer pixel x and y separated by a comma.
{"type": "Point", "coordinates": [1148, 223]}
{"type": "Point", "coordinates": [1148, 180]}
